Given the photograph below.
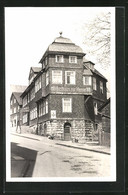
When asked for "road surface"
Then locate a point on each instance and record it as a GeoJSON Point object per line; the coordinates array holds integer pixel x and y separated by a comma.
{"type": "Point", "coordinates": [34, 158]}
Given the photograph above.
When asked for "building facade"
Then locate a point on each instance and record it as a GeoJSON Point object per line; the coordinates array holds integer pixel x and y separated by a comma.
{"type": "Point", "coordinates": [64, 94]}
{"type": "Point", "coordinates": [15, 109]}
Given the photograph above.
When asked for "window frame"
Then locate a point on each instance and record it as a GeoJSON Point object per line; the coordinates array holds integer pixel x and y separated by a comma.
{"type": "Point", "coordinates": [89, 81]}
{"type": "Point", "coordinates": [74, 72]}
{"type": "Point", "coordinates": [53, 82]}
{"type": "Point", "coordinates": [46, 107]}
{"type": "Point", "coordinates": [70, 61]}
{"type": "Point", "coordinates": [25, 118]}
{"type": "Point", "coordinates": [95, 108]}
{"type": "Point", "coordinates": [14, 100]}
{"type": "Point", "coordinates": [47, 78]}
{"type": "Point", "coordinates": [25, 101]}
{"type": "Point", "coordinates": [94, 84]}
{"type": "Point", "coordinates": [62, 61]}
{"type": "Point", "coordinates": [101, 87]}
{"type": "Point", "coordinates": [63, 106]}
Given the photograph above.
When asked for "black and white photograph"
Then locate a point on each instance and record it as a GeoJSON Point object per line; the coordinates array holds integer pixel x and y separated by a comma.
{"type": "Point", "coordinates": [60, 94]}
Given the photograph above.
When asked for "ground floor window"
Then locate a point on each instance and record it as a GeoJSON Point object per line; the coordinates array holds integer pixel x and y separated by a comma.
{"type": "Point", "coordinates": [33, 113]}
{"type": "Point", "coordinates": [25, 118]}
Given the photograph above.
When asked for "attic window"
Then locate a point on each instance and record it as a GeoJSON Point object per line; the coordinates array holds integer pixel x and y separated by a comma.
{"type": "Point", "coordinates": [72, 59]}
{"type": "Point", "coordinates": [60, 58]}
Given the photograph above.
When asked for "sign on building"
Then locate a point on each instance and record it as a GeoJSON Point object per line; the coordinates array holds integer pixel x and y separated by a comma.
{"type": "Point", "coordinates": [53, 113]}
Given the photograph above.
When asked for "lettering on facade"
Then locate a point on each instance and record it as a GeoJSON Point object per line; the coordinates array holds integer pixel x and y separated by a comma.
{"type": "Point", "coordinates": [76, 90]}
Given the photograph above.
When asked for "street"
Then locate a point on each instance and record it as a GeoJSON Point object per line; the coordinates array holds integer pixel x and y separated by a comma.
{"type": "Point", "coordinates": [35, 158]}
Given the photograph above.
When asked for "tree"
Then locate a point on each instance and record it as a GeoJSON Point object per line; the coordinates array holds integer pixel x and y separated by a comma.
{"type": "Point", "coordinates": [97, 37]}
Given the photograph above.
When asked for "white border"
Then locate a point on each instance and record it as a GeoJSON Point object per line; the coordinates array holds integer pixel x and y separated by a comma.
{"type": "Point", "coordinates": [113, 127]}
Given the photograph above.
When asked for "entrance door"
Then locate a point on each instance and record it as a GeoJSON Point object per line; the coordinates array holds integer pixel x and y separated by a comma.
{"type": "Point", "coordinates": [67, 128]}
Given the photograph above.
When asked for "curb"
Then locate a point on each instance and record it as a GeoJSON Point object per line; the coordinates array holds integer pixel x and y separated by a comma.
{"type": "Point", "coordinates": [102, 152]}
{"type": "Point", "coordinates": [25, 136]}
{"type": "Point", "coordinates": [69, 146]}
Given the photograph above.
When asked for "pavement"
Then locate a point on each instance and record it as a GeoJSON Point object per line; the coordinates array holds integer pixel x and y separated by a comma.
{"type": "Point", "coordinates": [89, 146]}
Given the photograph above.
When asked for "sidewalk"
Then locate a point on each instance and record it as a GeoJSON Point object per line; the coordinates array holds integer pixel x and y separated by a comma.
{"type": "Point", "coordinates": [90, 146]}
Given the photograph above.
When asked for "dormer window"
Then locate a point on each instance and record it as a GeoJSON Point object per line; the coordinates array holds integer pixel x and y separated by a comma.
{"type": "Point", "coordinates": [73, 59]}
{"type": "Point", "coordinates": [59, 58]}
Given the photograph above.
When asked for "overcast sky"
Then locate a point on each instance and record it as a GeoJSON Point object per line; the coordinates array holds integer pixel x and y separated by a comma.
{"type": "Point", "coordinates": [29, 32]}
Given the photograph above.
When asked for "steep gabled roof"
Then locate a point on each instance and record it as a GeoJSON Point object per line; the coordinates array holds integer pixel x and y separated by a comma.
{"type": "Point", "coordinates": [18, 98]}
{"type": "Point", "coordinates": [17, 88]}
{"type": "Point", "coordinates": [36, 69]}
{"type": "Point", "coordinates": [99, 74]}
{"type": "Point", "coordinates": [92, 70]}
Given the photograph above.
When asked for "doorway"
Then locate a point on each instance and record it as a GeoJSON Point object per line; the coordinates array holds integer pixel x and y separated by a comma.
{"type": "Point", "coordinates": [67, 131]}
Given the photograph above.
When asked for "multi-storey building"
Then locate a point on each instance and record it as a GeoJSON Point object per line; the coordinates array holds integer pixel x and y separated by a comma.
{"type": "Point", "coordinates": [63, 95]}
{"type": "Point", "coordinates": [15, 107]}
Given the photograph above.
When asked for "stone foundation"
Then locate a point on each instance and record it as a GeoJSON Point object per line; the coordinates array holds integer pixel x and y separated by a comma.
{"type": "Point", "coordinates": [79, 131]}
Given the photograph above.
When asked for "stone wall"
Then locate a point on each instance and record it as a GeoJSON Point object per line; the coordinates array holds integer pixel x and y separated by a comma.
{"type": "Point", "coordinates": [79, 129]}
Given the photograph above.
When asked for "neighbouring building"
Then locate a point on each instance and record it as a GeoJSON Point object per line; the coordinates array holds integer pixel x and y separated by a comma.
{"type": "Point", "coordinates": [64, 94]}
{"type": "Point", "coordinates": [104, 126]}
{"type": "Point", "coordinates": [16, 105]}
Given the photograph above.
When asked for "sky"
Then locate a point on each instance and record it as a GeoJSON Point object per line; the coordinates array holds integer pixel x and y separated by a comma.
{"type": "Point", "coordinates": [29, 32]}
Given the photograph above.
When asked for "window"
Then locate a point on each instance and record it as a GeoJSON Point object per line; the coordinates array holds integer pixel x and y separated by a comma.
{"type": "Point", "coordinates": [14, 100]}
{"type": "Point", "coordinates": [38, 84]}
{"type": "Point", "coordinates": [87, 80]}
{"type": "Point", "coordinates": [47, 78]}
{"type": "Point", "coordinates": [25, 101]}
{"type": "Point", "coordinates": [46, 106]}
{"type": "Point", "coordinates": [14, 109]}
{"type": "Point", "coordinates": [72, 59]}
{"type": "Point", "coordinates": [25, 118]}
{"type": "Point", "coordinates": [67, 105]}
{"type": "Point", "coordinates": [56, 76]}
{"type": "Point", "coordinates": [43, 108]}
{"type": "Point", "coordinates": [60, 58]}
{"type": "Point", "coordinates": [94, 83]}
{"type": "Point", "coordinates": [43, 65]}
{"type": "Point", "coordinates": [32, 94]}
{"type": "Point", "coordinates": [70, 77]}
{"type": "Point", "coordinates": [43, 112]}
{"type": "Point", "coordinates": [33, 113]}
{"type": "Point", "coordinates": [95, 108]}
{"type": "Point", "coordinates": [101, 87]}
{"type": "Point", "coordinates": [46, 61]}
{"type": "Point", "coordinates": [18, 108]}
